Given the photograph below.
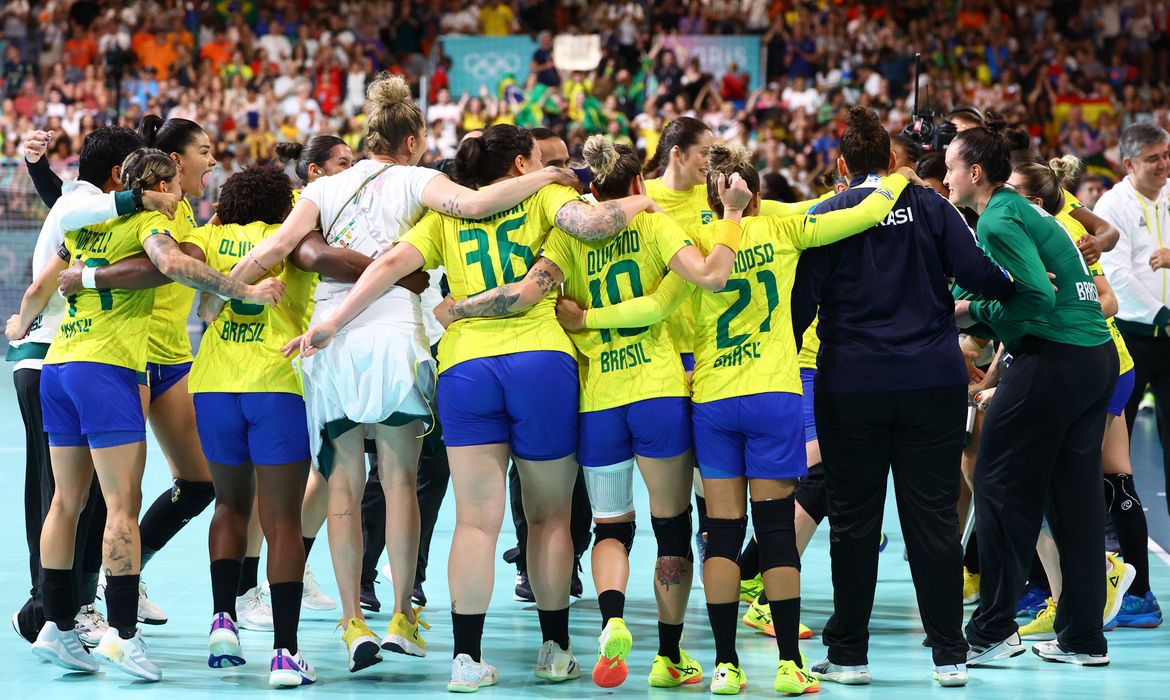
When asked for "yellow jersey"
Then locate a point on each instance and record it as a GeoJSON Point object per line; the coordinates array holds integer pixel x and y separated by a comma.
{"type": "Point", "coordinates": [241, 352]}
{"type": "Point", "coordinates": [620, 367]}
{"type": "Point", "coordinates": [106, 326]}
{"type": "Point", "coordinates": [169, 342]}
{"type": "Point", "coordinates": [1076, 230]}
{"type": "Point", "coordinates": [482, 254]}
{"type": "Point", "coordinates": [810, 345]}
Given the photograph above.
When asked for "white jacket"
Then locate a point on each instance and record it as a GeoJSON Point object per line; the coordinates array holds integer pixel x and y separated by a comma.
{"type": "Point", "coordinates": [1142, 293]}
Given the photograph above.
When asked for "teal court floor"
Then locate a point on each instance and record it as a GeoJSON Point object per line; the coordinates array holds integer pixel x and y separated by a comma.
{"type": "Point", "coordinates": [178, 580]}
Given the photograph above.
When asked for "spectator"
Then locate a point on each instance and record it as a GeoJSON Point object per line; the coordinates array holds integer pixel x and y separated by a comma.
{"type": "Point", "coordinates": [496, 18]}
{"type": "Point", "coordinates": [542, 62]}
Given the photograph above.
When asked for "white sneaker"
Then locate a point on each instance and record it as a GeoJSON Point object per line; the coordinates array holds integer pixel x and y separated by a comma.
{"type": "Point", "coordinates": [128, 655]}
{"type": "Point", "coordinates": [290, 670]}
{"type": "Point", "coordinates": [63, 649]}
{"type": "Point", "coordinates": [468, 676]}
{"type": "Point", "coordinates": [148, 612]}
{"type": "Point", "coordinates": [90, 625]}
{"type": "Point", "coordinates": [845, 675]}
{"type": "Point", "coordinates": [223, 643]}
{"type": "Point", "coordinates": [1007, 649]}
{"type": "Point", "coordinates": [313, 598]}
{"type": "Point", "coordinates": [556, 664]}
{"type": "Point", "coordinates": [951, 676]}
{"type": "Point", "coordinates": [253, 612]}
{"type": "Point", "coordinates": [1051, 651]}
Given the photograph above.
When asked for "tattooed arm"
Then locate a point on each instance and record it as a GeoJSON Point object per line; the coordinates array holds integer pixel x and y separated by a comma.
{"type": "Point", "coordinates": [511, 298]}
{"type": "Point", "coordinates": [463, 202]}
{"type": "Point", "coordinates": [186, 270]}
{"type": "Point", "coordinates": [595, 222]}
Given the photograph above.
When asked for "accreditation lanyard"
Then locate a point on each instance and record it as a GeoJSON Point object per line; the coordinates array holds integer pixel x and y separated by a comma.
{"type": "Point", "coordinates": [1154, 223]}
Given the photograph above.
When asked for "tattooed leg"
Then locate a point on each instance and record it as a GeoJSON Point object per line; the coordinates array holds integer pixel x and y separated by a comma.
{"type": "Point", "coordinates": [479, 479]}
{"type": "Point", "coordinates": [347, 481]}
{"type": "Point", "coordinates": [119, 470]}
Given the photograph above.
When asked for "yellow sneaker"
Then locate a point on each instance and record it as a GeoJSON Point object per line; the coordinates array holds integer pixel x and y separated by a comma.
{"type": "Point", "coordinates": [1118, 579]}
{"type": "Point", "coordinates": [759, 618]}
{"type": "Point", "coordinates": [794, 680]}
{"type": "Point", "coordinates": [751, 589]}
{"type": "Point", "coordinates": [970, 587]}
{"type": "Point", "coordinates": [728, 679]}
{"type": "Point", "coordinates": [1040, 629]}
{"type": "Point", "coordinates": [361, 644]}
{"type": "Point", "coordinates": [403, 637]}
{"type": "Point", "coordinates": [613, 646]}
{"type": "Point", "coordinates": [665, 673]}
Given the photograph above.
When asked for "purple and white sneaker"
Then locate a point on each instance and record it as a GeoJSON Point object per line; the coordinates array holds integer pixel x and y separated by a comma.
{"type": "Point", "coordinates": [290, 670]}
{"type": "Point", "coordinates": [223, 644]}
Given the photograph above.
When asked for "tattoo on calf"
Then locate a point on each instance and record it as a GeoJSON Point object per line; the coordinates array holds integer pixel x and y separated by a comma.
{"type": "Point", "coordinates": [670, 571]}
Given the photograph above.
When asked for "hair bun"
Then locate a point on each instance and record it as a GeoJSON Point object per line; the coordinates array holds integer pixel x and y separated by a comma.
{"type": "Point", "coordinates": [148, 130]}
{"type": "Point", "coordinates": [290, 151]}
{"type": "Point", "coordinates": [1066, 167]}
{"type": "Point", "coordinates": [388, 90]}
{"type": "Point", "coordinates": [861, 118]}
{"type": "Point", "coordinates": [600, 155]}
{"type": "Point", "coordinates": [995, 123]}
{"type": "Point", "coordinates": [726, 158]}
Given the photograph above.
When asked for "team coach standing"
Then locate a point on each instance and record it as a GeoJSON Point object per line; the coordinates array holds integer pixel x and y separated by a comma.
{"type": "Point", "coordinates": [891, 392]}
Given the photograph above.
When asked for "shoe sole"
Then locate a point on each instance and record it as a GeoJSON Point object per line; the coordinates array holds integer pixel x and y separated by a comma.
{"type": "Point", "coordinates": [949, 682]}
{"type": "Point", "coordinates": [548, 676]}
{"type": "Point", "coordinates": [729, 691]}
{"type": "Point", "coordinates": [467, 687]}
{"type": "Point", "coordinates": [987, 658]}
{"type": "Point", "coordinates": [843, 678]}
{"type": "Point", "coordinates": [365, 655]}
{"type": "Point", "coordinates": [672, 683]}
{"type": "Point", "coordinates": [399, 645]}
{"type": "Point", "coordinates": [287, 679]}
{"type": "Point", "coordinates": [130, 669]}
{"type": "Point", "coordinates": [796, 688]}
{"type": "Point", "coordinates": [610, 672]}
{"type": "Point", "coordinates": [762, 629]}
{"type": "Point", "coordinates": [1078, 659]}
{"type": "Point", "coordinates": [1140, 623]}
{"type": "Point", "coordinates": [225, 653]}
{"type": "Point", "coordinates": [372, 608]}
{"type": "Point", "coordinates": [50, 654]}
{"type": "Point", "coordinates": [1127, 577]}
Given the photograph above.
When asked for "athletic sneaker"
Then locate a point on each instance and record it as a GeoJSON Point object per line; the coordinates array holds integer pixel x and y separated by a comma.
{"type": "Point", "coordinates": [556, 664]}
{"type": "Point", "coordinates": [1041, 629]}
{"type": "Point", "coordinates": [970, 587]}
{"type": "Point", "coordinates": [148, 612]}
{"type": "Point", "coordinates": [362, 645]}
{"type": "Point", "coordinates": [523, 591]}
{"type": "Point", "coordinates": [418, 597]}
{"type": "Point", "coordinates": [1032, 602]}
{"type": "Point", "coordinates": [665, 673]}
{"type": "Point", "coordinates": [728, 679]}
{"type": "Point", "coordinates": [253, 612]}
{"type": "Point", "coordinates": [468, 676]}
{"type": "Point", "coordinates": [1007, 649]}
{"type": "Point", "coordinates": [128, 655]}
{"type": "Point", "coordinates": [951, 676]}
{"type": "Point", "coordinates": [1139, 611]}
{"type": "Point", "coordinates": [759, 618]}
{"type": "Point", "coordinates": [1118, 579]}
{"type": "Point", "coordinates": [613, 646]}
{"type": "Point", "coordinates": [576, 587]}
{"type": "Point", "coordinates": [750, 589]}
{"type": "Point", "coordinates": [368, 597]}
{"type": "Point", "coordinates": [63, 648]}
{"type": "Point", "coordinates": [794, 680]}
{"type": "Point", "coordinates": [845, 675]}
{"type": "Point", "coordinates": [403, 637]}
{"type": "Point", "coordinates": [882, 544]}
{"type": "Point", "coordinates": [313, 598]}
{"type": "Point", "coordinates": [290, 670]}
{"type": "Point", "coordinates": [1051, 651]}
{"type": "Point", "coordinates": [90, 625]}
{"type": "Point", "coordinates": [223, 643]}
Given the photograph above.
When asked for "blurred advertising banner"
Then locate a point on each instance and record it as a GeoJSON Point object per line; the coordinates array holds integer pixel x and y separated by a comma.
{"type": "Point", "coordinates": [577, 52]}
{"type": "Point", "coordinates": [480, 60]}
{"type": "Point", "coordinates": [716, 52]}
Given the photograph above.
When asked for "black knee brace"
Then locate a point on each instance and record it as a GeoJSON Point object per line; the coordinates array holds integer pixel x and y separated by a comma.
{"type": "Point", "coordinates": [776, 532]}
{"type": "Point", "coordinates": [725, 537]}
{"type": "Point", "coordinates": [171, 511]}
{"type": "Point", "coordinates": [622, 532]}
{"type": "Point", "coordinates": [1120, 494]}
{"type": "Point", "coordinates": [812, 495]}
{"type": "Point", "coordinates": [674, 535]}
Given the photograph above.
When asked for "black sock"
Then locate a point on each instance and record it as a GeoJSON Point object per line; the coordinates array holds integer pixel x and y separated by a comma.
{"type": "Point", "coordinates": [225, 577]}
{"type": "Point", "coordinates": [971, 555]}
{"type": "Point", "coordinates": [749, 560]}
{"type": "Point", "coordinates": [701, 508]}
{"type": "Point", "coordinates": [786, 622]}
{"type": "Point", "coordinates": [122, 604]}
{"type": "Point", "coordinates": [170, 512]}
{"type": "Point", "coordinates": [554, 626]}
{"type": "Point", "coordinates": [1133, 532]}
{"type": "Point", "coordinates": [56, 591]}
{"type": "Point", "coordinates": [468, 632]}
{"type": "Point", "coordinates": [89, 583]}
{"type": "Point", "coordinates": [612, 604]}
{"type": "Point", "coordinates": [669, 638]}
{"type": "Point", "coordinates": [724, 618]}
{"type": "Point", "coordinates": [286, 614]}
{"type": "Point", "coordinates": [248, 575]}
{"type": "Point", "coordinates": [308, 542]}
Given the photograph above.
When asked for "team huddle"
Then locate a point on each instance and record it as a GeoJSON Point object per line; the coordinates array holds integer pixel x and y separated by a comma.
{"type": "Point", "coordinates": [681, 327]}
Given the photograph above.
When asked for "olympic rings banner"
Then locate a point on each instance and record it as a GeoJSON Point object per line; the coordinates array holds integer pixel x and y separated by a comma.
{"type": "Point", "coordinates": [484, 61]}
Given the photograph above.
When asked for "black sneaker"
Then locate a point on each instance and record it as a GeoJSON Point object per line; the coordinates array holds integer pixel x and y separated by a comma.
{"type": "Point", "coordinates": [369, 599]}
{"type": "Point", "coordinates": [523, 592]}
{"type": "Point", "coordinates": [576, 588]}
{"type": "Point", "coordinates": [512, 555]}
{"type": "Point", "coordinates": [25, 623]}
{"type": "Point", "coordinates": [417, 595]}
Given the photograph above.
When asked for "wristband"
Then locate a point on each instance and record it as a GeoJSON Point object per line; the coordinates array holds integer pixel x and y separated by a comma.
{"type": "Point", "coordinates": [137, 192]}
{"type": "Point", "coordinates": [727, 233]}
{"type": "Point", "coordinates": [89, 277]}
{"type": "Point", "coordinates": [222, 296]}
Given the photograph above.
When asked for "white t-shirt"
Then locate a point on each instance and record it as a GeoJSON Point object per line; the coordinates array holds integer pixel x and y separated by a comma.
{"type": "Point", "coordinates": [387, 207]}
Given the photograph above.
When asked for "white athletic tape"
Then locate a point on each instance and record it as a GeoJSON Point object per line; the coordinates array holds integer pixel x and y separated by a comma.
{"type": "Point", "coordinates": [611, 489]}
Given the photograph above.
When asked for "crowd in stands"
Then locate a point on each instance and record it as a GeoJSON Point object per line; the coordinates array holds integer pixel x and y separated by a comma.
{"type": "Point", "coordinates": [255, 73]}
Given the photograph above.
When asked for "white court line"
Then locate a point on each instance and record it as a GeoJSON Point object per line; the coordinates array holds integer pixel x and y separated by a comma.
{"type": "Point", "coordinates": [1157, 549]}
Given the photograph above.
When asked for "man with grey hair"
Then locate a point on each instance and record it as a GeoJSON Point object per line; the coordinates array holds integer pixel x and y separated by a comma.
{"type": "Point", "coordinates": [1139, 267]}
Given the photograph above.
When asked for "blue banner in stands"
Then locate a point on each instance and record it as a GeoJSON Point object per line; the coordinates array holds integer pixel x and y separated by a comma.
{"type": "Point", "coordinates": [484, 61]}
{"type": "Point", "coordinates": [717, 52]}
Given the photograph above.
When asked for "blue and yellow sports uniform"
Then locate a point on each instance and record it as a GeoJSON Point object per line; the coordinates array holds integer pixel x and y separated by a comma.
{"type": "Point", "coordinates": [248, 403]}
{"type": "Point", "coordinates": [634, 392]}
{"type": "Point", "coordinates": [169, 357]}
{"type": "Point", "coordinates": [89, 383]}
{"type": "Point", "coordinates": [806, 359]}
{"type": "Point", "coordinates": [511, 379]}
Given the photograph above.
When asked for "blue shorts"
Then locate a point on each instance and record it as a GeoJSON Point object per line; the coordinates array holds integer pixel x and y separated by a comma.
{"type": "Point", "coordinates": [1121, 394]}
{"type": "Point", "coordinates": [688, 361]}
{"type": "Point", "coordinates": [262, 429]}
{"type": "Point", "coordinates": [657, 428]}
{"type": "Point", "coordinates": [757, 436]}
{"type": "Point", "coordinates": [89, 403]}
{"type": "Point", "coordinates": [810, 417]}
{"type": "Point", "coordinates": [525, 399]}
{"type": "Point", "coordinates": [160, 378]}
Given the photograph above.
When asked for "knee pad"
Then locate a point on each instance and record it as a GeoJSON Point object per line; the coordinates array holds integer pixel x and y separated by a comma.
{"type": "Point", "coordinates": [776, 532]}
{"type": "Point", "coordinates": [192, 496]}
{"type": "Point", "coordinates": [1120, 493]}
{"type": "Point", "coordinates": [611, 489]}
{"type": "Point", "coordinates": [812, 495]}
{"type": "Point", "coordinates": [674, 535]}
{"type": "Point", "coordinates": [622, 532]}
{"type": "Point", "coordinates": [725, 538]}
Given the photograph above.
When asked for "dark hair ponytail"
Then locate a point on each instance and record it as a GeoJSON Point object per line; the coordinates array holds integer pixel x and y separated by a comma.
{"type": "Point", "coordinates": [170, 136]}
{"type": "Point", "coordinates": [683, 132]}
{"type": "Point", "coordinates": [484, 159]}
{"type": "Point", "coordinates": [316, 152]}
{"type": "Point", "coordinates": [988, 147]}
{"type": "Point", "coordinates": [865, 145]}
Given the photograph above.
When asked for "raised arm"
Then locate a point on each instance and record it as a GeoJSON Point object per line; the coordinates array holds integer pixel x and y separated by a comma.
{"type": "Point", "coordinates": [46, 182]}
{"type": "Point", "coordinates": [454, 199]}
{"type": "Point", "coordinates": [137, 272]}
{"type": "Point", "coordinates": [36, 297]}
{"type": "Point", "coordinates": [647, 310]}
{"type": "Point", "coordinates": [833, 226]}
{"type": "Point", "coordinates": [514, 297]}
{"type": "Point", "coordinates": [184, 269]}
{"type": "Point", "coordinates": [591, 222]}
{"type": "Point", "coordinates": [711, 271]}
{"type": "Point", "coordinates": [300, 223]}
{"type": "Point", "coordinates": [1102, 236]}
{"type": "Point", "coordinates": [343, 265]}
